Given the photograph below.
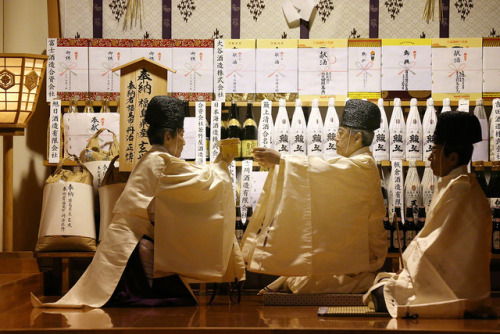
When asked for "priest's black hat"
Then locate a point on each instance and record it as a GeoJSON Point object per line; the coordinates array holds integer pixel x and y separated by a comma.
{"type": "Point", "coordinates": [457, 128]}
{"type": "Point", "coordinates": [165, 112]}
{"type": "Point", "coordinates": [361, 114]}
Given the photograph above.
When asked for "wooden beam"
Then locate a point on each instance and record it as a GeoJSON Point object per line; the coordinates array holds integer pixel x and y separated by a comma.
{"type": "Point", "coordinates": [54, 19]}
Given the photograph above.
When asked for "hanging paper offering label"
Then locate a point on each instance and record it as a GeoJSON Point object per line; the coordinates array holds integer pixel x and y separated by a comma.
{"type": "Point", "coordinates": [397, 183]}
{"type": "Point", "coordinates": [55, 132]}
{"type": "Point", "coordinates": [201, 145]}
{"type": "Point", "coordinates": [277, 66]}
{"type": "Point", "coordinates": [219, 84]}
{"type": "Point", "coordinates": [397, 142]}
{"type": "Point", "coordinates": [364, 68]}
{"type": "Point", "coordinates": [194, 60]}
{"type": "Point", "coordinates": [215, 127]}
{"type": "Point", "coordinates": [239, 69]}
{"type": "Point", "coordinates": [496, 132]}
{"type": "Point", "coordinates": [323, 69]}
{"type": "Point", "coordinates": [246, 185]}
{"type": "Point", "coordinates": [72, 71]}
{"type": "Point", "coordinates": [266, 125]}
{"type": "Point", "coordinates": [234, 181]}
{"type": "Point", "coordinates": [51, 69]}
{"type": "Point", "coordinates": [407, 65]}
{"type": "Point", "coordinates": [158, 50]}
{"type": "Point", "coordinates": [457, 68]}
{"type": "Point", "coordinates": [104, 56]}
{"type": "Point", "coordinates": [491, 67]}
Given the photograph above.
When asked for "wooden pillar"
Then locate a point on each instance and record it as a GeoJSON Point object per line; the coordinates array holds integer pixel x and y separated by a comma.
{"type": "Point", "coordinates": [8, 193]}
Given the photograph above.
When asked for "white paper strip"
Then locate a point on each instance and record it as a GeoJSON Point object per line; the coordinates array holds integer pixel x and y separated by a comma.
{"type": "Point", "coordinates": [496, 131]}
{"type": "Point", "coordinates": [266, 125]}
{"type": "Point", "coordinates": [463, 105]}
{"type": "Point", "coordinates": [51, 69]}
{"type": "Point", "coordinates": [55, 132]}
{"type": "Point", "coordinates": [397, 184]}
{"type": "Point", "coordinates": [215, 127]}
{"type": "Point", "coordinates": [258, 179]}
{"type": "Point", "coordinates": [246, 185]}
{"type": "Point", "coordinates": [234, 181]}
{"type": "Point", "coordinates": [219, 87]}
{"type": "Point", "coordinates": [201, 146]}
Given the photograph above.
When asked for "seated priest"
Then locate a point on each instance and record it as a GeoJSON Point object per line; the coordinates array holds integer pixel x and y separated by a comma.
{"type": "Point", "coordinates": [171, 203]}
{"type": "Point", "coordinates": [447, 266]}
{"type": "Point", "coordinates": [318, 223]}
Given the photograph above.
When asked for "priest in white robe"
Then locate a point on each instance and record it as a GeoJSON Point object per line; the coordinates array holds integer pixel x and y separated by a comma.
{"type": "Point", "coordinates": [447, 266]}
{"type": "Point", "coordinates": [165, 198]}
{"type": "Point", "coordinates": [318, 223]}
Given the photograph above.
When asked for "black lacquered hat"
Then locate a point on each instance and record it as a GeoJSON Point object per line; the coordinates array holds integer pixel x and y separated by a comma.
{"type": "Point", "coordinates": [361, 114]}
{"type": "Point", "coordinates": [165, 112]}
{"type": "Point", "coordinates": [457, 128]}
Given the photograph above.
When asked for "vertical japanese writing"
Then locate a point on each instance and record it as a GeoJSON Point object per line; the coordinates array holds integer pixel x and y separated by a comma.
{"type": "Point", "coordinates": [54, 131]}
{"type": "Point", "coordinates": [245, 188]}
{"type": "Point", "coordinates": [51, 69]}
{"type": "Point", "coordinates": [200, 115]}
{"type": "Point", "coordinates": [215, 129]}
{"type": "Point", "coordinates": [397, 183]}
{"type": "Point", "coordinates": [219, 85]}
{"type": "Point", "coordinates": [266, 125]}
{"type": "Point", "coordinates": [496, 133]}
{"type": "Point", "coordinates": [130, 130]}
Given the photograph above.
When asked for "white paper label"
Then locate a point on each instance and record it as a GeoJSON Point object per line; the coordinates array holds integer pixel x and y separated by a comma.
{"type": "Point", "coordinates": [239, 70]}
{"type": "Point", "coordinates": [258, 180]}
{"type": "Point", "coordinates": [215, 127]}
{"type": "Point", "coordinates": [67, 209]}
{"type": "Point", "coordinates": [266, 125]}
{"type": "Point", "coordinates": [101, 62]}
{"type": "Point", "coordinates": [194, 70]}
{"type": "Point", "coordinates": [51, 69]}
{"type": "Point", "coordinates": [463, 105]}
{"type": "Point", "coordinates": [234, 181]}
{"type": "Point", "coordinates": [54, 132]}
{"type": "Point", "coordinates": [397, 144]}
{"type": "Point", "coordinates": [397, 184]}
{"type": "Point", "coordinates": [97, 169]}
{"type": "Point", "coordinates": [491, 69]}
{"type": "Point", "coordinates": [364, 69]}
{"type": "Point", "coordinates": [277, 70]}
{"type": "Point", "coordinates": [189, 150]}
{"type": "Point", "coordinates": [219, 84]}
{"type": "Point", "coordinates": [496, 130]}
{"type": "Point", "coordinates": [201, 145]}
{"type": "Point", "coordinates": [480, 152]}
{"type": "Point", "coordinates": [246, 186]}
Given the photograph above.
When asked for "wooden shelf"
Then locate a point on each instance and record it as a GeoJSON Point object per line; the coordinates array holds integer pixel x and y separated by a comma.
{"type": "Point", "coordinates": [70, 163]}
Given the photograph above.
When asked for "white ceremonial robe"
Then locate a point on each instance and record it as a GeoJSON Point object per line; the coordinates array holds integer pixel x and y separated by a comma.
{"type": "Point", "coordinates": [321, 222]}
{"type": "Point", "coordinates": [448, 263]}
{"type": "Point", "coordinates": [203, 191]}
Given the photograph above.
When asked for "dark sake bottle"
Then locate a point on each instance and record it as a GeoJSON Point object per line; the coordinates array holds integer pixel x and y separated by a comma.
{"type": "Point", "coordinates": [495, 238]}
{"type": "Point", "coordinates": [388, 230]}
{"type": "Point", "coordinates": [410, 227]}
{"type": "Point", "coordinates": [398, 239]}
{"type": "Point", "coordinates": [223, 126]}
{"type": "Point", "coordinates": [493, 190]}
{"type": "Point", "coordinates": [421, 219]}
{"type": "Point", "coordinates": [479, 171]}
{"type": "Point", "coordinates": [238, 227]}
{"type": "Point", "coordinates": [249, 135]}
{"type": "Point", "coordinates": [249, 217]}
{"type": "Point", "coordinates": [234, 127]}
{"type": "Point", "coordinates": [207, 139]}
{"type": "Point", "coordinates": [186, 108]}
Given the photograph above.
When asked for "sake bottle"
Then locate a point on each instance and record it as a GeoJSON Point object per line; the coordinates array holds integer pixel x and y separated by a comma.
{"type": "Point", "coordinates": [89, 106]}
{"type": "Point", "coordinates": [298, 131]}
{"type": "Point", "coordinates": [493, 190]}
{"type": "Point", "coordinates": [249, 136]}
{"type": "Point", "coordinates": [186, 108]}
{"type": "Point", "coordinates": [412, 190]}
{"type": "Point", "coordinates": [428, 127]}
{"type": "Point", "coordinates": [207, 139]}
{"type": "Point", "coordinates": [446, 105]}
{"type": "Point", "coordinates": [330, 130]}
{"type": "Point", "coordinates": [480, 152]}
{"type": "Point", "coordinates": [315, 131]}
{"type": "Point", "coordinates": [428, 185]}
{"type": "Point", "coordinates": [413, 133]}
{"type": "Point", "coordinates": [388, 229]}
{"type": "Point", "coordinates": [421, 219]}
{"type": "Point", "coordinates": [73, 105]}
{"type": "Point", "coordinates": [395, 235]}
{"type": "Point", "coordinates": [223, 125]}
{"type": "Point", "coordinates": [410, 229]}
{"type": "Point", "coordinates": [481, 179]}
{"type": "Point", "coordinates": [105, 106]}
{"type": "Point", "coordinates": [380, 145]}
{"type": "Point", "coordinates": [495, 109]}
{"type": "Point", "coordinates": [238, 228]}
{"type": "Point", "coordinates": [282, 129]}
{"type": "Point", "coordinates": [249, 218]}
{"type": "Point", "coordinates": [234, 127]}
{"type": "Point", "coordinates": [495, 237]}
{"type": "Point", "coordinates": [397, 130]}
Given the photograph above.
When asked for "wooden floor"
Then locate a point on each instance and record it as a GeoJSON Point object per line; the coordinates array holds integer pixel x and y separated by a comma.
{"type": "Point", "coordinates": [251, 316]}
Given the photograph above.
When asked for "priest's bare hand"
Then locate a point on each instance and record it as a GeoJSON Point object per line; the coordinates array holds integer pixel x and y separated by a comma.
{"type": "Point", "coordinates": [266, 157]}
